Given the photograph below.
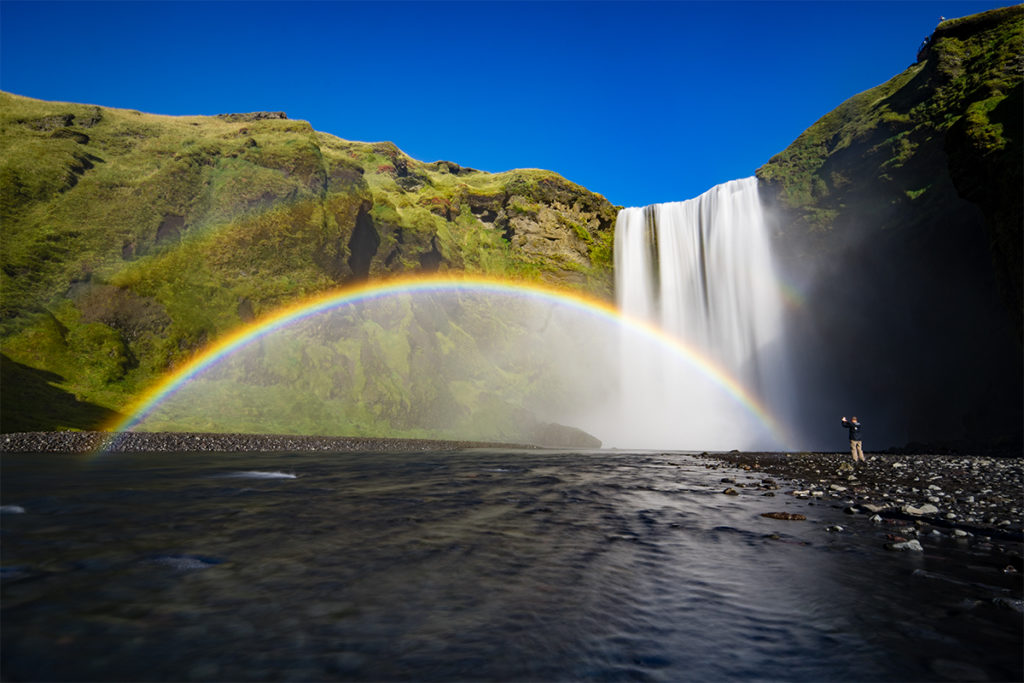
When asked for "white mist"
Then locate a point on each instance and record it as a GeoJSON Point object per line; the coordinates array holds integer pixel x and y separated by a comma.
{"type": "Point", "coordinates": [702, 271]}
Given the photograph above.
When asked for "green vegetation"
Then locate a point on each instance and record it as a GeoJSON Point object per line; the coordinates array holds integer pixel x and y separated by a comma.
{"type": "Point", "coordinates": [946, 133]}
{"type": "Point", "coordinates": [131, 241]}
{"type": "Point", "coordinates": [967, 69]}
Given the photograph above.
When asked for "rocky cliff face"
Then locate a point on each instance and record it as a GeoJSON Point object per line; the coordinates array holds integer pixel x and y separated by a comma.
{"type": "Point", "coordinates": [898, 218]}
{"type": "Point", "coordinates": [131, 240]}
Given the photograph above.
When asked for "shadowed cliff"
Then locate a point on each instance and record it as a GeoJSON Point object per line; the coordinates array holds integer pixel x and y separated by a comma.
{"type": "Point", "coordinates": [898, 217]}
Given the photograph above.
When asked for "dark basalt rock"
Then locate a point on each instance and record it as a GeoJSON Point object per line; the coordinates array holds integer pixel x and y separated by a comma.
{"type": "Point", "coordinates": [253, 116]}
{"type": "Point", "coordinates": [48, 123]}
{"type": "Point", "coordinates": [68, 133]}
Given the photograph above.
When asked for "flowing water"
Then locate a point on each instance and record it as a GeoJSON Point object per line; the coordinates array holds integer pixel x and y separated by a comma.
{"type": "Point", "coordinates": [473, 565]}
{"type": "Point", "coordinates": [702, 271]}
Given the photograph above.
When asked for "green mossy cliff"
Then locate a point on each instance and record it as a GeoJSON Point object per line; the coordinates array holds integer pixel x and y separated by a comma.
{"type": "Point", "coordinates": [132, 240]}
{"type": "Point", "coordinates": [898, 218]}
{"type": "Point", "coordinates": [918, 154]}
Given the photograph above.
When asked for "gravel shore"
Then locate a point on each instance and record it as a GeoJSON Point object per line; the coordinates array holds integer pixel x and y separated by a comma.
{"type": "Point", "coordinates": [190, 442]}
{"type": "Point", "coordinates": [958, 495]}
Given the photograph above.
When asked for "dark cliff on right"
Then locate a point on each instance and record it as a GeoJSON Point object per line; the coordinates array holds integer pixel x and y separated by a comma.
{"type": "Point", "coordinates": [897, 219]}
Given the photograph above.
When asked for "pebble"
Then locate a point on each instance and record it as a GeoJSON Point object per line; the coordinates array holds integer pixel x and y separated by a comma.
{"type": "Point", "coordinates": [913, 545]}
{"type": "Point", "coordinates": [926, 509]}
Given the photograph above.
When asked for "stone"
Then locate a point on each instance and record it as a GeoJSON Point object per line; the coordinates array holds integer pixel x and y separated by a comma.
{"type": "Point", "coordinates": [788, 516]}
{"type": "Point", "coordinates": [731, 492]}
{"type": "Point", "coordinates": [912, 545]}
{"type": "Point", "coordinates": [876, 519]}
{"type": "Point", "coordinates": [926, 509]}
{"type": "Point", "coordinates": [835, 528]}
{"type": "Point", "coordinates": [959, 533]}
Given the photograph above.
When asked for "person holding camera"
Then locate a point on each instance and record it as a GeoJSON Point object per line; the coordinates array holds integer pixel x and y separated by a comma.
{"type": "Point", "coordinates": [856, 447]}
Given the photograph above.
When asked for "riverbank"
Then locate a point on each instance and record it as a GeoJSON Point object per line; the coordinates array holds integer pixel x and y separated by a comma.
{"type": "Point", "coordinates": [960, 495]}
{"type": "Point", "coordinates": [952, 494]}
{"type": "Point", "coordinates": [191, 442]}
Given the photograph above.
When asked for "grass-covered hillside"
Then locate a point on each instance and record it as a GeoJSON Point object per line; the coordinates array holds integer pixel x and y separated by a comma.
{"type": "Point", "coordinates": [921, 150]}
{"type": "Point", "coordinates": [131, 240]}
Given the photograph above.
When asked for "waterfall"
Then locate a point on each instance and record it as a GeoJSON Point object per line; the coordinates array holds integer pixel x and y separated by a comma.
{"type": "Point", "coordinates": [701, 270]}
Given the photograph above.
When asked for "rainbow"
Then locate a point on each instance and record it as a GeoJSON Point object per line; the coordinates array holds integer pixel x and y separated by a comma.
{"type": "Point", "coordinates": [284, 317]}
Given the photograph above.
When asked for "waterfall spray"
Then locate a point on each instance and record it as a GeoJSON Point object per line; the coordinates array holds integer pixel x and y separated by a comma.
{"type": "Point", "coordinates": [702, 271]}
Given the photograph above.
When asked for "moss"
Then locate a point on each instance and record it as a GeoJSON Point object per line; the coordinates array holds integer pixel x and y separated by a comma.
{"type": "Point", "coordinates": [964, 73]}
{"type": "Point", "coordinates": [217, 219]}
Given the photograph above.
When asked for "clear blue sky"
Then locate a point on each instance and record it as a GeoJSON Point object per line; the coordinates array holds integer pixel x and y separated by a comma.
{"type": "Point", "coordinates": [641, 102]}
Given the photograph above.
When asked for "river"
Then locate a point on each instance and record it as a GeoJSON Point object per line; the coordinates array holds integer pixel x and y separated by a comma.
{"type": "Point", "coordinates": [470, 565]}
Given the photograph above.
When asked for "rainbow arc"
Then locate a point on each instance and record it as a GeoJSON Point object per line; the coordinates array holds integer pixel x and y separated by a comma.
{"type": "Point", "coordinates": [369, 291]}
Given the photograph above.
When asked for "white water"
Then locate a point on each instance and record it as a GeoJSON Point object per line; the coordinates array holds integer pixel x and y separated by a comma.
{"type": "Point", "coordinates": [702, 271]}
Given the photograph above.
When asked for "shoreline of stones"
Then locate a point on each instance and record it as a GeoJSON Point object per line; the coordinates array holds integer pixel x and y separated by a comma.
{"type": "Point", "coordinates": [192, 442]}
{"type": "Point", "coordinates": [961, 496]}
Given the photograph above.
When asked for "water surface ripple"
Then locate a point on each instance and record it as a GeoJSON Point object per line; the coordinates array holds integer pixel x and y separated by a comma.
{"type": "Point", "coordinates": [475, 565]}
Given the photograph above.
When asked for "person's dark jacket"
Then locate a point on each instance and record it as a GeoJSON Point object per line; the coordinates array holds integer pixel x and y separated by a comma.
{"type": "Point", "coordinates": [854, 428]}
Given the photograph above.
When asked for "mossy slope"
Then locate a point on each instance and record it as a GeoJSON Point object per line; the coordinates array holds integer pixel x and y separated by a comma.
{"type": "Point", "coordinates": [132, 240]}
{"type": "Point", "coordinates": [918, 153]}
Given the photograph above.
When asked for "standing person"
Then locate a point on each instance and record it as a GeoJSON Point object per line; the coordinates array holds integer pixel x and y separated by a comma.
{"type": "Point", "coordinates": [856, 447]}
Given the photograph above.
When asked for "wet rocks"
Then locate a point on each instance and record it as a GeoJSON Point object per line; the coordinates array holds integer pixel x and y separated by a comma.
{"type": "Point", "coordinates": [913, 545]}
{"type": "Point", "coordinates": [787, 516]}
{"type": "Point", "coordinates": [980, 495]}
